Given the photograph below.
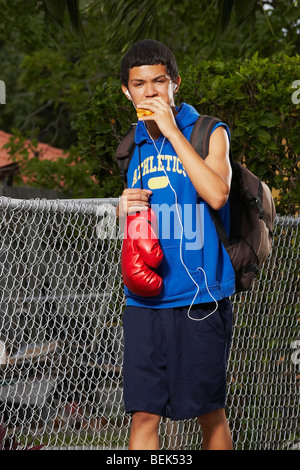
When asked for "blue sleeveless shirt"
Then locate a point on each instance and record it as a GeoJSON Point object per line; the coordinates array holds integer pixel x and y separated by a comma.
{"type": "Point", "coordinates": [196, 267]}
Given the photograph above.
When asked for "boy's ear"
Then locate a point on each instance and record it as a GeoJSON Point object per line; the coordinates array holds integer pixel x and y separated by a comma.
{"type": "Point", "coordinates": [126, 92]}
{"type": "Point", "coordinates": [177, 82]}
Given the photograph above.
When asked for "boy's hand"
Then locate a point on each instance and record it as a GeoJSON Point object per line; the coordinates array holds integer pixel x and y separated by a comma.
{"type": "Point", "coordinates": [162, 115]}
{"type": "Point", "coordinates": [131, 201]}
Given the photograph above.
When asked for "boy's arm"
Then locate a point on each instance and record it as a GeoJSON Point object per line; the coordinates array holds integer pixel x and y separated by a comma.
{"type": "Point", "coordinates": [212, 177]}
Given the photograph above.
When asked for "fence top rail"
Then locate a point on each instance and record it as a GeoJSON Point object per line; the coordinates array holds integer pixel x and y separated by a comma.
{"type": "Point", "coordinates": [95, 206]}
{"type": "Point", "coordinates": [287, 220]}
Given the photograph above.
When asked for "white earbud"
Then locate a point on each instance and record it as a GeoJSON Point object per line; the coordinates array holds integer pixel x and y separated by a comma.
{"type": "Point", "coordinates": [174, 87]}
{"type": "Point", "coordinates": [128, 94]}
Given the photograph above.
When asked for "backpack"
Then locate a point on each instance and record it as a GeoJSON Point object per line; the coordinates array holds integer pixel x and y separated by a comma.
{"type": "Point", "coordinates": [252, 210]}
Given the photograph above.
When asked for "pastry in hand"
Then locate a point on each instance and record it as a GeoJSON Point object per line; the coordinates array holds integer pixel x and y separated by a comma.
{"type": "Point", "coordinates": [143, 112]}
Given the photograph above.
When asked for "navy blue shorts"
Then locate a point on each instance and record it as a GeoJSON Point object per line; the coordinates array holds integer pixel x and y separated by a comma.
{"type": "Point", "coordinates": [174, 366]}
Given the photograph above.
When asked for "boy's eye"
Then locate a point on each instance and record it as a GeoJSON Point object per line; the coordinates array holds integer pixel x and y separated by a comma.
{"type": "Point", "coordinates": [160, 81]}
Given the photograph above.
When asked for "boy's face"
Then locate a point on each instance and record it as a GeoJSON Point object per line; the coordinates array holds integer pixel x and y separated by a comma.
{"type": "Point", "coordinates": [149, 81]}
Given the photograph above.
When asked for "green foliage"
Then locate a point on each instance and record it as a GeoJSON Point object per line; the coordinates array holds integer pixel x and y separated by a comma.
{"type": "Point", "coordinates": [99, 129]}
{"type": "Point", "coordinates": [55, 11]}
{"type": "Point", "coordinates": [253, 96]}
{"type": "Point", "coordinates": [69, 174]}
{"type": "Point", "coordinates": [48, 71]}
{"type": "Point", "coordinates": [51, 75]}
{"type": "Point", "coordinates": [231, 28]}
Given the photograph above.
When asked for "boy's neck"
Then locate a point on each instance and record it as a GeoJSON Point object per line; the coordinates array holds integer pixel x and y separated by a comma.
{"type": "Point", "coordinates": [153, 130]}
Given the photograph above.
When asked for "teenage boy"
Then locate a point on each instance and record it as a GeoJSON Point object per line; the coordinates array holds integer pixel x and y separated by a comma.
{"type": "Point", "coordinates": [176, 343]}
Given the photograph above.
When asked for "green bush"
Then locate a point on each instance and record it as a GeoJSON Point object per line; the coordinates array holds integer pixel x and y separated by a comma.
{"type": "Point", "coordinates": [255, 97]}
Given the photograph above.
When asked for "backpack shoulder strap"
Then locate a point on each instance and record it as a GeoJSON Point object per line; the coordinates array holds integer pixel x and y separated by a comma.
{"type": "Point", "coordinates": [125, 151]}
{"type": "Point", "coordinates": [200, 135]}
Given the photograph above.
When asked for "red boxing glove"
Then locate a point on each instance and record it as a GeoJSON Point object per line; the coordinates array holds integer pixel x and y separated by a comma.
{"type": "Point", "coordinates": [141, 254]}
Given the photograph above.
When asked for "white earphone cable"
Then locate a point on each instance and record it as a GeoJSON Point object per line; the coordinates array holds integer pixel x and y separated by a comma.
{"type": "Point", "coordinates": [180, 251]}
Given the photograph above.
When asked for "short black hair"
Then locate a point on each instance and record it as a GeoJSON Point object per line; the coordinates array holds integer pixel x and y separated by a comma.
{"type": "Point", "coordinates": [148, 52]}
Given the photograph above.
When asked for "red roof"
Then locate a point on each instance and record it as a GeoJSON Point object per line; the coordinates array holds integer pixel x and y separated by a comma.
{"type": "Point", "coordinates": [46, 152]}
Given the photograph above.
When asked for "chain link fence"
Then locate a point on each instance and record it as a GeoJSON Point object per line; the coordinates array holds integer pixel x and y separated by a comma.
{"type": "Point", "coordinates": [61, 335]}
